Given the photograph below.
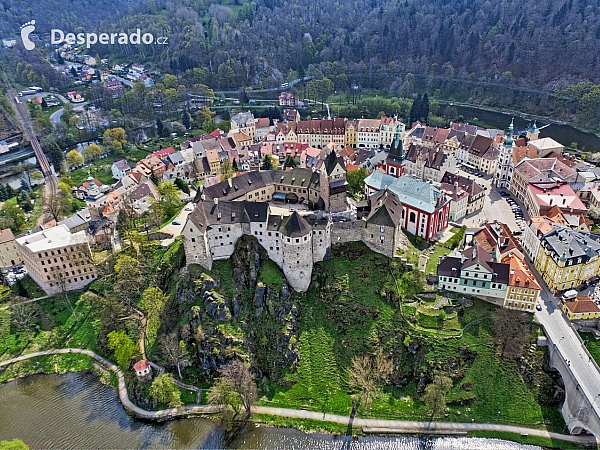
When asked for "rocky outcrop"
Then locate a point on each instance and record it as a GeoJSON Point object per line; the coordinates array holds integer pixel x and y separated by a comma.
{"type": "Point", "coordinates": [246, 261]}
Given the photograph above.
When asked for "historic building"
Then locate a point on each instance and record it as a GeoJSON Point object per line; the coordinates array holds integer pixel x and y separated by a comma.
{"type": "Point", "coordinates": [425, 209]}
{"type": "Point", "coordinates": [57, 259]}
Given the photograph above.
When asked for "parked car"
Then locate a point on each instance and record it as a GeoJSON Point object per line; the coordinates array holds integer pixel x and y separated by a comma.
{"type": "Point", "coordinates": [538, 307]}
{"type": "Point", "coordinates": [189, 208]}
{"type": "Point", "coordinates": [175, 223]}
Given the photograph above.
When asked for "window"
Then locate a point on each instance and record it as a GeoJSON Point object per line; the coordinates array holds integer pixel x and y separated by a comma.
{"type": "Point", "coordinates": [412, 217]}
{"type": "Point", "coordinates": [382, 229]}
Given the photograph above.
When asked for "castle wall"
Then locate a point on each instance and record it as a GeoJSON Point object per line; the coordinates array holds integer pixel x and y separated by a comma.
{"type": "Point", "coordinates": [221, 239]}
{"type": "Point", "coordinates": [196, 247]}
{"type": "Point", "coordinates": [297, 262]}
{"type": "Point", "coordinates": [342, 232]}
{"type": "Point", "coordinates": [321, 243]}
{"type": "Point", "coordinates": [273, 246]}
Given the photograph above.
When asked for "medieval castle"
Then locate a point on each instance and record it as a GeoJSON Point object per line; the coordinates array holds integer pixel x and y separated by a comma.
{"type": "Point", "coordinates": [241, 205]}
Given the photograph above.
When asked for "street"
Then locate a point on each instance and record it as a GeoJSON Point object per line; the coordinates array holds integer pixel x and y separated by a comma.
{"type": "Point", "coordinates": [558, 328]}
{"type": "Point", "coordinates": [495, 206]}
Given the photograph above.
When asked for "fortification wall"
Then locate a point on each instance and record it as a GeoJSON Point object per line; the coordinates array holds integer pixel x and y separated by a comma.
{"type": "Point", "coordinates": [342, 232]}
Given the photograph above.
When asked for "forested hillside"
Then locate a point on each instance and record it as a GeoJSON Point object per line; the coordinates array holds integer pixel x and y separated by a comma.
{"type": "Point", "coordinates": [516, 41]}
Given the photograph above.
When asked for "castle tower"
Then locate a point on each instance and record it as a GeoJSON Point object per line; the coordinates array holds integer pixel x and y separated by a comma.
{"type": "Point", "coordinates": [394, 163]}
{"type": "Point", "coordinates": [533, 133]}
{"type": "Point", "coordinates": [505, 160]}
{"type": "Point", "coordinates": [333, 183]}
{"type": "Point", "coordinates": [297, 252]}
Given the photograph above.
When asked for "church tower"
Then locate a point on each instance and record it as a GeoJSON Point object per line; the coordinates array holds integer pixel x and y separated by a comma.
{"type": "Point", "coordinates": [505, 160]}
{"type": "Point", "coordinates": [394, 163]}
{"type": "Point", "coordinates": [533, 133]}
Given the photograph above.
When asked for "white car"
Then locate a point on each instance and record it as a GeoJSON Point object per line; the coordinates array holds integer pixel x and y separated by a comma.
{"type": "Point", "coordinates": [189, 208]}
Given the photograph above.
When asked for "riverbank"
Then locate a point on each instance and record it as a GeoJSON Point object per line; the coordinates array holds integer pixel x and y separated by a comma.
{"type": "Point", "coordinates": [381, 426]}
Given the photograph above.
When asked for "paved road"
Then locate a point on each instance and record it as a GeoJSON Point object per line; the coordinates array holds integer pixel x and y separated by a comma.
{"type": "Point", "coordinates": [495, 206]}
{"type": "Point", "coordinates": [558, 328]}
{"type": "Point", "coordinates": [55, 116]}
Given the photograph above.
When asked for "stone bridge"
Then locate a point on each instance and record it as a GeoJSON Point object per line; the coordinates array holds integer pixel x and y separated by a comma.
{"type": "Point", "coordinates": [581, 409]}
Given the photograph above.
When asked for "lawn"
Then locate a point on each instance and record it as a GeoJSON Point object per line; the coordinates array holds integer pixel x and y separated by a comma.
{"type": "Point", "coordinates": [433, 261]}
{"type": "Point", "coordinates": [347, 314]}
{"type": "Point", "coordinates": [57, 328]}
{"type": "Point", "coordinates": [593, 346]}
{"type": "Point", "coordinates": [101, 169]}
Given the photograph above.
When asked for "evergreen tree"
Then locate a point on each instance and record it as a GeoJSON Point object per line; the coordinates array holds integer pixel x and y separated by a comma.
{"type": "Point", "coordinates": [3, 196]}
{"type": "Point", "coordinates": [59, 59]}
{"type": "Point", "coordinates": [415, 110]}
{"type": "Point", "coordinates": [290, 162]}
{"type": "Point", "coordinates": [425, 107]}
{"type": "Point", "coordinates": [44, 104]}
{"type": "Point", "coordinates": [73, 71]}
{"type": "Point", "coordinates": [234, 166]}
{"type": "Point", "coordinates": [10, 192]}
{"type": "Point", "coordinates": [185, 119]}
{"type": "Point", "coordinates": [55, 155]}
{"type": "Point", "coordinates": [154, 178]}
{"type": "Point", "coordinates": [182, 185]}
{"type": "Point", "coordinates": [267, 163]}
{"type": "Point", "coordinates": [159, 127]}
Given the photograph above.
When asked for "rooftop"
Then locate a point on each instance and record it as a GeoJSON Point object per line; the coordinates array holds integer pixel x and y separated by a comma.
{"type": "Point", "coordinates": [52, 238]}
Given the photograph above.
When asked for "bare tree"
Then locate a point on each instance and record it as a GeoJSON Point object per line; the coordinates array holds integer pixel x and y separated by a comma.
{"type": "Point", "coordinates": [174, 351]}
{"type": "Point", "coordinates": [510, 332]}
{"type": "Point", "coordinates": [236, 387]}
{"type": "Point", "coordinates": [366, 377]}
{"type": "Point", "coordinates": [24, 315]}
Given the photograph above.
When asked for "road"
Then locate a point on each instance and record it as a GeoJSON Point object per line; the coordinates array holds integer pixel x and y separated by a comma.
{"type": "Point", "coordinates": [495, 206]}
{"type": "Point", "coordinates": [275, 89]}
{"type": "Point", "coordinates": [558, 328]}
{"type": "Point", "coordinates": [55, 116]}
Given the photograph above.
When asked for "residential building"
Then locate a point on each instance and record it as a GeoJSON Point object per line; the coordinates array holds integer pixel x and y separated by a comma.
{"type": "Point", "coordinates": [9, 252]}
{"type": "Point", "coordinates": [473, 272]}
{"type": "Point", "coordinates": [429, 163]}
{"type": "Point", "coordinates": [58, 260]}
{"type": "Point", "coordinates": [243, 123]}
{"type": "Point", "coordinates": [458, 200]}
{"type": "Point", "coordinates": [567, 259]}
{"type": "Point", "coordinates": [547, 145]}
{"type": "Point", "coordinates": [523, 289]}
{"type": "Point", "coordinates": [475, 191]}
{"type": "Point", "coordinates": [497, 239]}
{"type": "Point", "coordinates": [119, 169]}
{"type": "Point", "coordinates": [368, 133]}
{"type": "Point", "coordinates": [582, 308]}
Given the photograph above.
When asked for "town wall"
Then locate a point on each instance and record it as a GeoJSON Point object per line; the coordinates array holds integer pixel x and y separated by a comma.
{"type": "Point", "coordinates": [342, 232]}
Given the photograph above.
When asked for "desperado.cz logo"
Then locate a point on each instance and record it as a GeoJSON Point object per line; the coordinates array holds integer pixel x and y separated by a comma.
{"type": "Point", "coordinates": [58, 37]}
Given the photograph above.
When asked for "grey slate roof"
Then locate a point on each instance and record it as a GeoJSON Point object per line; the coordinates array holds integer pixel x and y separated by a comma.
{"type": "Point", "coordinates": [296, 226]}
{"type": "Point", "coordinates": [386, 209]}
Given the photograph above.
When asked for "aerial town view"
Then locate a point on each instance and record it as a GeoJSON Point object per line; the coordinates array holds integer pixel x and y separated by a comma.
{"type": "Point", "coordinates": [284, 224]}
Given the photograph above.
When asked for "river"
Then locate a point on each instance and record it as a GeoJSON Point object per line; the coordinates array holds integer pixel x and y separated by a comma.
{"type": "Point", "coordinates": [565, 134]}
{"type": "Point", "coordinates": [75, 410]}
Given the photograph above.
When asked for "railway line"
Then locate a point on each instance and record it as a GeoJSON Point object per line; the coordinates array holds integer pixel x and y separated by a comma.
{"type": "Point", "coordinates": [25, 122]}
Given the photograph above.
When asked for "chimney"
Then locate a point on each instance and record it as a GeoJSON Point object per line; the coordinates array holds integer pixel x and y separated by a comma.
{"type": "Point", "coordinates": [229, 182]}
{"type": "Point", "coordinates": [474, 253]}
{"type": "Point", "coordinates": [216, 201]}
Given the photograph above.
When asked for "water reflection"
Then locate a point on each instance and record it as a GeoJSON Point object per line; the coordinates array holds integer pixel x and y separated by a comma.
{"type": "Point", "coordinates": [75, 411]}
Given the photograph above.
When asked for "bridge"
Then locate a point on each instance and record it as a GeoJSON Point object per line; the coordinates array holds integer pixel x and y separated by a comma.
{"type": "Point", "coordinates": [579, 371]}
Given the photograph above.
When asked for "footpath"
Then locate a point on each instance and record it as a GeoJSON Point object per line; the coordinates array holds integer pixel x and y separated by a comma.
{"type": "Point", "coordinates": [378, 426]}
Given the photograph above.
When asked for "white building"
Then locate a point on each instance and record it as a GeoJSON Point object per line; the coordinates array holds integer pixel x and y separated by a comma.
{"type": "Point", "coordinates": [119, 169]}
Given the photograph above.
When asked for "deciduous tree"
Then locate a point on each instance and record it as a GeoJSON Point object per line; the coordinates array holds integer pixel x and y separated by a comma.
{"type": "Point", "coordinates": [74, 158]}
{"type": "Point", "coordinates": [367, 374]}
{"type": "Point", "coordinates": [435, 394]}
{"type": "Point", "coordinates": [165, 391]}
{"type": "Point", "coordinates": [123, 346]}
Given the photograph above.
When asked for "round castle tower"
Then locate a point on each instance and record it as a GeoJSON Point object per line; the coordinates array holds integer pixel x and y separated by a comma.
{"type": "Point", "coordinates": [297, 252]}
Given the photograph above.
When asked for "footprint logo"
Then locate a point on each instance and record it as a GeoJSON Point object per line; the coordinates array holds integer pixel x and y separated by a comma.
{"type": "Point", "coordinates": [26, 30]}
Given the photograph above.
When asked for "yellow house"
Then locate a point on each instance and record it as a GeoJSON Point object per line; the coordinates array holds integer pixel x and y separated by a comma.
{"type": "Point", "coordinates": [212, 156]}
{"type": "Point", "coordinates": [582, 308]}
{"type": "Point", "coordinates": [351, 137]}
{"type": "Point", "coordinates": [567, 258]}
{"type": "Point", "coordinates": [9, 252]}
{"type": "Point", "coordinates": [523, 289]}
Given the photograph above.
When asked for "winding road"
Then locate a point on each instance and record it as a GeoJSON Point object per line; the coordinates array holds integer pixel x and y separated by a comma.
{"type": "Point", "coordinates": [370, 425]}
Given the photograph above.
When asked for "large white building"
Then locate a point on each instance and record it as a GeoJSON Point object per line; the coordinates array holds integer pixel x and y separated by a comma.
{"type": "Point", "coordinates": [57, 259]}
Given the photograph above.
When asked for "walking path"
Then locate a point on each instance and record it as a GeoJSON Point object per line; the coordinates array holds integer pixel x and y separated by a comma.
{"type": "Point", "coordinates": [411, 427]}
{"type": "Point", "coordinates": [371, 425]}
{"type": "Point", "coordinates": [165, 414]}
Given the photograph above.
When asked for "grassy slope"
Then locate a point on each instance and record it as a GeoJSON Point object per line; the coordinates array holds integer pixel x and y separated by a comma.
{"type": "Point", "coordinates": [325, 354]}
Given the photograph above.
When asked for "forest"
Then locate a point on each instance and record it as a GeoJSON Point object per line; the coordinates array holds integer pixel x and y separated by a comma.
{"type": "Point", "coordinates": [542, 45]}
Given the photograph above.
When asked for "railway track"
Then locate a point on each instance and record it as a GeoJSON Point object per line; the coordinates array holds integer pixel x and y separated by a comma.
{"type": "Point", "coordinates": [25, 122]}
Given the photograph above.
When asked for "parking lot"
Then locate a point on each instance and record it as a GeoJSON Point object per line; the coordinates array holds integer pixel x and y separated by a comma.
{"type": "Point", "coordinates": [495, 205]}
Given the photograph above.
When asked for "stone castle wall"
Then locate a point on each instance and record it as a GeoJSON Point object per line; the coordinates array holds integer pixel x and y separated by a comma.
{"type": "Point", "coordinates": [342, 232]}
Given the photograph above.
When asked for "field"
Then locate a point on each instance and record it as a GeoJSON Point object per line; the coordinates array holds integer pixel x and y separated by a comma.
{"type": "Point", "coordinates": [101, 169]}
{"type": "Point", "coordinates": [347, 316]}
